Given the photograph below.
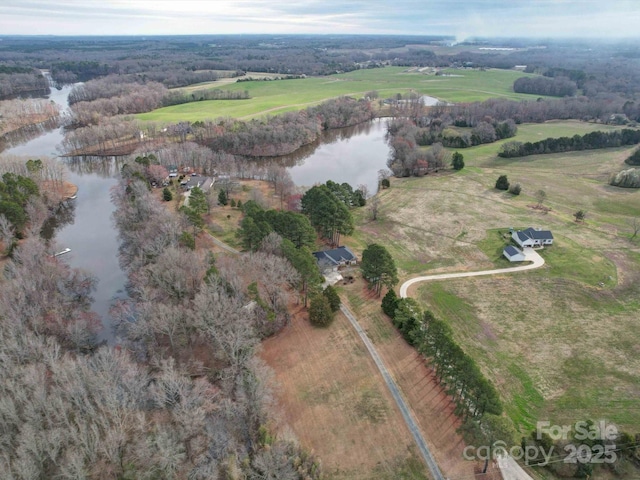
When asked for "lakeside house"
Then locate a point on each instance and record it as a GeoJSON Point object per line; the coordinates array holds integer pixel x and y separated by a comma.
{"type": "Point", "coordinates": [204, 183]}
{"type": "Point", "coordinates": [532, 237]}
{"type": "Point", "coordinates": [329, 260]}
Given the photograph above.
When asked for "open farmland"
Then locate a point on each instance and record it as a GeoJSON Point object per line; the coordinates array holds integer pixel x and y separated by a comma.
{"type": "Point", "coordinates": [335, 402]}
{"type": "Point", "coordinates": [560, 343]}
{"type": "Point", "coordinates": [271, 97]}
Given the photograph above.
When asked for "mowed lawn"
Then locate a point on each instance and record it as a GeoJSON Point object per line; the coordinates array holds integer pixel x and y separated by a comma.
{"type": "Point", "coordinates": [560, 343]}
{"type": "Point", "coordinates": [272, 97]}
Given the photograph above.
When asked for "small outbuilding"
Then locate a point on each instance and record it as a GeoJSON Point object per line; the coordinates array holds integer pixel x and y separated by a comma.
{"type": "Point", "coordinates": [514, 254]}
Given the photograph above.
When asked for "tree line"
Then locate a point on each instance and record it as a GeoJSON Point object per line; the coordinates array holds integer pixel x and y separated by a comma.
{"type": "Point", "coordinates": [472, 393]}
{"type": "Point", "coordinates": [24, 115]}
{"type": "Point", "coordinates": [588, 141]}
{"type": "Point", "coordinates": [272, 136]}
{"type": "Point", "coordinates": [128, 94]}
{"type": "Point", "coordinates": [17, 81]}
{"type": "Point", "coordinates": [206, 316]}
{"type": "Point", "coordinates": [598, 109]}
{"type": "Point", "coordinates": [553, 87]}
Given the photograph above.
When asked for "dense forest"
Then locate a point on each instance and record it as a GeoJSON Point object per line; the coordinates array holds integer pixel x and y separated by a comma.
{"type": "Point", "coordinates": [183, 396]}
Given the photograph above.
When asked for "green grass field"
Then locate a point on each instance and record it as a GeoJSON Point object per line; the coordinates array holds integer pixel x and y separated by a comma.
{"type": "Point", "coordinates": [272, 97]}
{"type": "Point", "coordinates": [560, 343]}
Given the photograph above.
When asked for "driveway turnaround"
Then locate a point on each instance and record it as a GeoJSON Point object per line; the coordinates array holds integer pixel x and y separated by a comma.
{"type": "Point", "coordinates": [530, 254]}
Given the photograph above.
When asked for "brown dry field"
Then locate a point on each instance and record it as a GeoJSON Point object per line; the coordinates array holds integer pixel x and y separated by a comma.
{"type": "Point", "coordinates": [431, 406]}
{"type": "Point", "coordinates": [333, 399]}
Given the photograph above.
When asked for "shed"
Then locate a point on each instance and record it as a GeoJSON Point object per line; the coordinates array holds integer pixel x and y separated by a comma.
{"type": "Point", "coordinates": [514, 254]}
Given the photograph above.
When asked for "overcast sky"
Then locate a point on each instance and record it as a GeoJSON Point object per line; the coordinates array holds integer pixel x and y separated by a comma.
{"type": "Point", "coordinates": [462, 18]}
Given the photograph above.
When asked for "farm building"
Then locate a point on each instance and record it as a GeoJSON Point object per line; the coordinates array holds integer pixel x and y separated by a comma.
{"type": "Point", "coordinates": [332, 259]}
{"type": "Point", "coordinates": [514, 254]}
{"type": "Point", "coordinates": [532, 237]}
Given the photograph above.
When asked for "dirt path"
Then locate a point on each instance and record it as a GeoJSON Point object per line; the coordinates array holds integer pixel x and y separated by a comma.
{"type": "Point", "coordinates": [530, 254]}
{"type": "Point", "coordinates": [395, 392]}
{"type": "Point", "coordinates": [331, 398]}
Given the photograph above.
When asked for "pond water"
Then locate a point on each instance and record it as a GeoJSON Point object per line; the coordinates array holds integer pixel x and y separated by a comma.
{"type": "Point", "coordinates": [353, 155]}
{"type": "Point", "coordinates": [90, 235]}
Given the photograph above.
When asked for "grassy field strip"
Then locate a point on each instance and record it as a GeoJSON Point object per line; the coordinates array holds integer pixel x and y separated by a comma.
{"type": "Point", "coordinates": [286, 95]}
{"type": "Point", "coordinates": [397, 396]}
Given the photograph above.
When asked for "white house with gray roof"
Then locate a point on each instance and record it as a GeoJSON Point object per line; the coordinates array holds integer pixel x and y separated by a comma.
{"type": "Point", "coordinates": [532, 237]}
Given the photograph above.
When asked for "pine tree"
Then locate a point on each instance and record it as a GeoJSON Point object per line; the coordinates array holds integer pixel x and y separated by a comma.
{"type": "Point", "coordinates": [333, 298]}
{"type": "Point", "coordinates": [320, 313]}
{"type": "Point", "coordinates": [457, 161]}
{"type": "Point", "coordinates": [222, 198]}
{"type": "Point", "coordinates": [502, 183]}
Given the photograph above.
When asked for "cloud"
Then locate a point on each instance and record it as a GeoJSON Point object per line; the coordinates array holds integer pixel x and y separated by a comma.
{"type": "Point", "coordinates": [612, 18]}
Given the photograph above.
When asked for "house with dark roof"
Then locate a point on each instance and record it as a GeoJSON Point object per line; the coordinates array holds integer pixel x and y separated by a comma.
{"type": "Point", "coordinates": [532, 237]}
{"type": "Point", "coordinates": [205, 183]}
{"type": "Point", "coordinates": [513, 254]}
{"type": "Point", "coordinates": [337, 257]}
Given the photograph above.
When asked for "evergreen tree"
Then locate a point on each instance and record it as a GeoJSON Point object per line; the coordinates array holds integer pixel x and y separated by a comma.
{"type": "Point", "coordinates": [167, 196]}
{"type": "Point", "coordinates": [378, 268]}
{"type": "Point", "coordinates": [222, 198]}
{"type": "Point", "coordinates": [390, 303]}
{"type": "Point", "coordinates": [502, 183]}
{"type": "Point", "coordinates": [198, 201]}
{"type": "Point", "coordinates": [457, 161]}
{"type": "Point", "coordinates": [332, 297]}
{"type": "Point", "coordinates": [320, 313]}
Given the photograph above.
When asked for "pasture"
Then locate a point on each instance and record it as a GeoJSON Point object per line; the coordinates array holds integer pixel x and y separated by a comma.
{"type": "Point", "coordinates": [278, 96]}
{"type": "Point", "coordinates": [560, 343]}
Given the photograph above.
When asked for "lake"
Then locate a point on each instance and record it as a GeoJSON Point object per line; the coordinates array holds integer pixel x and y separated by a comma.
{"type": "Point", "coordinates": [353, 155]}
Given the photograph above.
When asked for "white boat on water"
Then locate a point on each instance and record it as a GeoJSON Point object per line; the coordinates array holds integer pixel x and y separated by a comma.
{"type": "Point", "coordinates": [66, 250]}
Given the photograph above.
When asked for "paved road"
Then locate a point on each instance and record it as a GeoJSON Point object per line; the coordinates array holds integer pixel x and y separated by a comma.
{"type": "Point", "coordinates": [510, 469]}
{"type": "Point", "coordinates": [395, 392]}
{"type": "Point", "coordinates": [530, 254]}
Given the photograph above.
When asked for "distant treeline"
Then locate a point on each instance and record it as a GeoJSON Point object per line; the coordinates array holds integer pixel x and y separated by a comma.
{"type": "Point", "coordinates": [179, 97]}
{"type": "Point", "coordinates": [554, 87]}
{"type": "Point", "coordinates": [129, 94]}
{"type": "Point", "coordinates": [588, 141]}
{"type": "Point", "coordinates": [269, 79]}
{"type": "Point", "coordinates": [499, 110]}
{"type": "Point", "coordinates": [15, 81]}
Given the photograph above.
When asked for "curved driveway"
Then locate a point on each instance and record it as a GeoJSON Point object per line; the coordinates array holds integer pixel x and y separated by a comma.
{"type": "Point", "coordinates": [530, 255]}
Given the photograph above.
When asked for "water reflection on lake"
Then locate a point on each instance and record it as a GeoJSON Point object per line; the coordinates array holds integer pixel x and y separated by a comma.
{"type": "Point", "coordinates": [353, 155]}
{"type": "Point", "coordinates": [85, 226]}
